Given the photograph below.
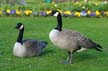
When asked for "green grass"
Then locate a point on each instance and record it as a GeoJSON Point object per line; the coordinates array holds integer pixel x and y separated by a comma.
{"type": "Point", "coordinates": [39, 28]}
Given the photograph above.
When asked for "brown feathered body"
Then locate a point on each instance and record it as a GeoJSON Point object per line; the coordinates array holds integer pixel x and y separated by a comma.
{"type": "Point", "coordinates": [70, 40]}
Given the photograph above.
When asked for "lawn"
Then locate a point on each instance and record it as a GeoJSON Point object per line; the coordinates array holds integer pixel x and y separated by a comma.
{"type": "Point", "coordinates": [39, 28]}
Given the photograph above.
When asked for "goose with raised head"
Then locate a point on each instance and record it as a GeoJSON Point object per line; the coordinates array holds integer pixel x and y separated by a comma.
{"type": "Point", "coordinates": [70, 40]}
{"type": "Point", "coordinates": [27, 47]}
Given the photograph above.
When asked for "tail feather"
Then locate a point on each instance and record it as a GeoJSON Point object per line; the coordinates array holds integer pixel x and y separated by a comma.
{"type": "Point", "coordinates": [87, 43]}
{"type": "Point", "coordinates": [44, 44]}
{"type": "Point", "coordinates": [98, 49]}
{"type": "Point", "coordinates": [99, 46]}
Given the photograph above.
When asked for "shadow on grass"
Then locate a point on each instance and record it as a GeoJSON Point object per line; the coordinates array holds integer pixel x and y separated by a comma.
{"type": "Point", "coordinates": [48, 51]}
{"type": "Point", "coordinates": [82, 57]}
{"type": "Point", "coordinates": [1, 53]}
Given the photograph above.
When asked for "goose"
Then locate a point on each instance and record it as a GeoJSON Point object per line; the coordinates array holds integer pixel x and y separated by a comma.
{"type": "Point", "coordinates": [70, 40]}
{"type": "Point", "coordinates": [27, 47]}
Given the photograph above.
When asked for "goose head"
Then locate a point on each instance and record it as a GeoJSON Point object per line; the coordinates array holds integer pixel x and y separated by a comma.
{"type": "Point", "coordinates": [55, 13]}
{"type": "Point", "coordinates": [19, 26]}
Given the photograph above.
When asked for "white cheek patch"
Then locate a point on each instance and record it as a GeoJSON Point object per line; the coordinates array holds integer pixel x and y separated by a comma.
{"type": "Point", "coordinates": [21, 27]}
{"type": "Point", "coordinates": [56, 14]}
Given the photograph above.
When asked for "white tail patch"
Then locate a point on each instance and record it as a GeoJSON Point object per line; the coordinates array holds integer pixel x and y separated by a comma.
{"type": "Point", "coordinates": [56, 14]}
{"type": "Point", "coordinates": [21, 27]}
{"type": "Point", "coordinates": [82, 49]}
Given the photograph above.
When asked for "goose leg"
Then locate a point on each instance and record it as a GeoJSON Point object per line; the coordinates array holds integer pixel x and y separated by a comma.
{"type": "Point", "coordinates": [70, 55]}
{"type": "Point", "coordinates": [69, 58]}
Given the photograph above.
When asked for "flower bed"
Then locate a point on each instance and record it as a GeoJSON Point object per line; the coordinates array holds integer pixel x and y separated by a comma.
{"type": "Point", "coordinates": [67, 13]}
{"type": "Point", "coordinates": [71, 9]}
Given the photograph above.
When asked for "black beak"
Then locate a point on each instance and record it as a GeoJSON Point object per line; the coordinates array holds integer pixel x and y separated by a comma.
{"type": "Point", "coordinates": [53, 12]}
{"type": "Point", "coordinates": [16, 27]}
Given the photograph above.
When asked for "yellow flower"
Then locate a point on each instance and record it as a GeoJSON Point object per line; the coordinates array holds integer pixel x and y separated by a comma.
{"type": "Point", "coordinates": [97, 4]}
{"type": "Point", "coordinates": [60, 11]}
{"type": "Point", "coordinates": [67, 12]}
{"type": "Point", "coordinates": [106, 13]}
{"type": "Point", "coordinates": [53, 2]}
{"type": "Point", "coordinates": [77, 14]}
{"type": "Point", "coordinates": [8, 11]}
{"type": "Point", "coordinates": [18, 12]}
{"type": "Point", "coordinates": [88, 12]}
{"type": "Point", "coordinates": [0, 12]}
{"type": "Point", "coordinates": [97, 13]}
{"type": "Point", "coordinates": [76, 3]}
{"type": "Point", "coordinates": [80, 4]}
{"type": "Point", "coordinates": [48, 12]}
{"type": "Point", "coordinates": [28, 12]}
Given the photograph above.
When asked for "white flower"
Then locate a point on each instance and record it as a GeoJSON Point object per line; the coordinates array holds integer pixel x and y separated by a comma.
{"type": "Point", "coordinates": [55, 5]}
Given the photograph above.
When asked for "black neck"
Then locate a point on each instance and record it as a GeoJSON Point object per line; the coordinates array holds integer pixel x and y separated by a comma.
{"type": "Point", "coordinates": [59, 20]}
{"type": "Point", "coordinates": [20, 36]}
